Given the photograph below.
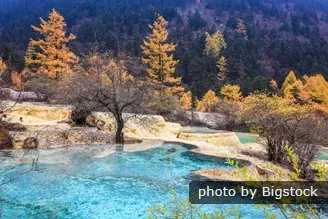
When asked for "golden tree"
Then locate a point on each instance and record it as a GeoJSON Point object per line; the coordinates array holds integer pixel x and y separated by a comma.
{"type": "Point", "coordinates": [157, 54]}
{"type": "Point", "coordinates": [294, 91]}
{"type": "Point", "coordinates": [222, 67]}
{"type": "Point", "coordinates": [186, 101]}
{"type": "Point", "coordinates": [214, 44]}
{"type": "Point", "coordinates": [231, 92]}
{"type": "Point", "coordinates": [273, 85]}
{"type": "Point", "coordinates": [241, 28]}
{"type": "Point", "coordinates": [51, 53]}
{"type": "Point", "coordinates": [315, 89]}
{"type": "Point", "coordinates": [292, 88]}
{"type": "Point", "coordinates": [17, 81]}
{"type": "Point", "coordinates": [208, 102]}
{"type": "Point", "coordinates": [289, 80]}
{"type": "Point", "coordinates": [99, 66]}
{"type": "Point", "coordinates": [3, 66]}
{"type": "Point", "coordinates": [282, 122]}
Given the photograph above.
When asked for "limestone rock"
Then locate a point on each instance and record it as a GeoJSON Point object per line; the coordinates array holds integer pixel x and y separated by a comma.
{"type": "Point", "coordinates": [62, 138]}
{"type": "Point", "coordinates": [212, 120]}
{"type": "Point", "coordinates": [30, 123]}
{"type": "Point", "coordinates": [21, 95]}
{"type": "Point", "coordinates": [48, 126]}
{"type": "Point", "coordinates": [173, 127]}
{"type": "Point", "coordinates": [37, 116]}
{"type": "Point", "coordinates": [136, 125]}
{"type": "Point", "coordinates": [39, 110]}
{"type": "Point", "coordinates": [220, 139]}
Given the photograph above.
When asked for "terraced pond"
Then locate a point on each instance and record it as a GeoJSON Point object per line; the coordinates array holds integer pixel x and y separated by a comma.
{"type": "Point", "coordinates": [244, 138]}
{"type": "Point", "coordinates": [100, 182]}
{"type": "Point", "coordinates": [323, 155]}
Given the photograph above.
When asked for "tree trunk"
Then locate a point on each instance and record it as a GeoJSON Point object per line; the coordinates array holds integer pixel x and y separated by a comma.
{"type": "Point", "coordinates": [275, 150]}
{"type": "Point", "coordinates": [119, 138]}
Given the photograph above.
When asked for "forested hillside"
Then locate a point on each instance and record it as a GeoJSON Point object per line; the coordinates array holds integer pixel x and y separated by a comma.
{"type": "Point", "coordinates": [265, 38]}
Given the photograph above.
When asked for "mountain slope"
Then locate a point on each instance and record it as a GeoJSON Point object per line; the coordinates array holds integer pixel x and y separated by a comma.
{"type": "Point", "coordinates": [282, 34]}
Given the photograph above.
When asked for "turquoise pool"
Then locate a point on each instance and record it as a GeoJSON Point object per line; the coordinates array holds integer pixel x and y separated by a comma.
{"type": "Point", "coordinates": [323, 155]}
{"type": "Point", "coordinates": [246, 138]}
{"type": "Point", "coordinates": [100, 182]}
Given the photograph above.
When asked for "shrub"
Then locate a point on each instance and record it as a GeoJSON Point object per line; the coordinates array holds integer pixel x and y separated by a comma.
{"type": "Point", "coordinates": [282, 122]}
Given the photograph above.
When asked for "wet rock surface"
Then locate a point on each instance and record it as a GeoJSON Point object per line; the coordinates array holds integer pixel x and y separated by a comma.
{"type": "Point", "coordinates": [220, 139]}
{"type": "Point", "coordinates": [40, 125]}
{"type": "Point", "coordinates": [135, 125]}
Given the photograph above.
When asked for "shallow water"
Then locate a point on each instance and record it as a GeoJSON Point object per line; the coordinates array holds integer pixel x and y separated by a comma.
{"type": "Point", "coordinates": [323, 155]}
{"type": "Point", "coordinates": [244, 138]}
{"type": "Point", "coordinates": [100, 182]}
{"type": "Point", "coordinates": [200, 130]}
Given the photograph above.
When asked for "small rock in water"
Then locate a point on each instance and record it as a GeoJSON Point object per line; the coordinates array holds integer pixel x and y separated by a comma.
{"type": "Point", "coordinates": [170, 151]}
{"type": "Point", "coordinates": [30, 143]}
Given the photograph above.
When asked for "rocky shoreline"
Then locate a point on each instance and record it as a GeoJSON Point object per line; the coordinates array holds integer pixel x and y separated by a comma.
{"type": "Point", "coordinates": [47, 126]}
{"type": "Point", "coordinates": [50, 126]}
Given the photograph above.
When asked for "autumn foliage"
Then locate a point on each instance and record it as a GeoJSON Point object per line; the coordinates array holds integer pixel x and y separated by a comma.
{"type": "Point", "coordinates": [292, 87]}
{"type": "Point", "coordinates": [315, 89]}
{"type": "Point", "coordinates": [17, 81]}
{"type": "Point", "coordinates": [50, 53]}
{"type": "Point", "coordinates": [273, 85]}
{"type": "Point", "coordinates": [186, 101]}
{"type": "Point", "coordinates": [3, 66]}
{"type": "Point", "coordinates": [157, 54]}
{"type": "Point", "coordinates": [214, 44]}
{"type": "Point", "coordinates": [222, 67]}
{"type": "Point", "coordinates": [311, 90]}
{"type": "Point", "coordinates": [283, 122]}
{"type": "Point", "coordinates": [231, 92]}
{"type": "Point", "coordinates": [208, 102]}
{"type": "Point", "coordinates": [158, 57]}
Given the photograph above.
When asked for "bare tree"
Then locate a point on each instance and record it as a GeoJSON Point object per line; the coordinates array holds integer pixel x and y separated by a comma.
{"type": "Point", "coordinates": [102, 82]}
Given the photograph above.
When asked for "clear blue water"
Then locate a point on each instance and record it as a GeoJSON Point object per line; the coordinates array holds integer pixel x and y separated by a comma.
{"type": "Point", "coordinates": [91, 183]}
{"type": "Point", "coordinates": [245, 138]}
{"type": "Point", "coordinates": [323, 155]}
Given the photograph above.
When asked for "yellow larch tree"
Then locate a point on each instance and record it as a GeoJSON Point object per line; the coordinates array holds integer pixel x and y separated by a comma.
{"type": "Point", "coordinates": [231, 92]}
{"type": "Point", "coordinates": [105, 69]}
{"type": "Point", "coordinates": [3, 66]}
{"type": "Point", "coordinates": [17, 81]}
{"type": "Point", "coordinates": [315, 89]}
{"type": "Point", "coordinates": [315, 93]}
{"type": "Point", "coordinates": [273, 85]}
{"type": "Point", "coordinates": [222, 67]}
{"type": "Point", "coordinates": [289, 80]}
{"type": "Point", "coordinates": [292, 88]}
{"type": "Point", "coordinates": [157, 54]}
{"type": "Point", "coordinates": [208, 102]}
{"type": "Point", "coordinates": [51, 53]}
{"type": "Point", "coordinates": [214, 44]}
{"type": "Point", "coordinates": [186, 101]}
{"type": "Point", "coordinates": [294, 91]}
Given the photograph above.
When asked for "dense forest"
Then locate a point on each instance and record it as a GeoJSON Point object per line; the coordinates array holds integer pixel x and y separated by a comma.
{"type": "Point", "coordinates": [277, 35]}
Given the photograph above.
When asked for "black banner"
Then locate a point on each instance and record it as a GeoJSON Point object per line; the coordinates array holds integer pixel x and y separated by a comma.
{"type": "Point", "coordinates": [258, 192]}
